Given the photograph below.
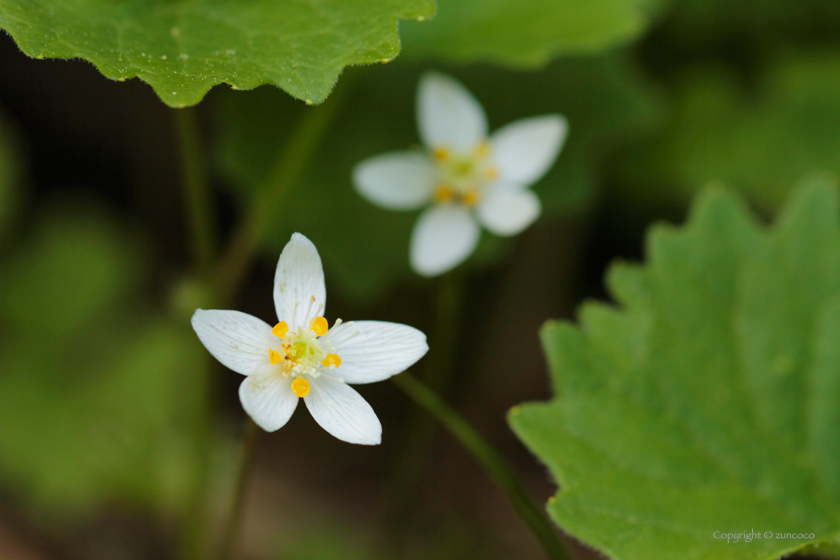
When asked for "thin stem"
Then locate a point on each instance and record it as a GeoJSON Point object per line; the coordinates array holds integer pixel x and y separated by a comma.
{"type": "Point", "coordinates": [292, 161]}
{"type": "Point", "coordinates": [495, 467]}
{"type": "Point", "coordinates": [237, 504]}
{"type": "Point", "coordinates": [201, 225]}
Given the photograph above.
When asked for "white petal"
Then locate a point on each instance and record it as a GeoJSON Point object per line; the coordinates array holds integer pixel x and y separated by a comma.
{"type": "Point", "coordinates": [238, 340]}
{"type": "Point", "coordinates": [524, 150]}
{"type": "Point", "coordinates": [379, 351]}
{"type": "Point", "coordinates": [340, 410]}
{"type": "Point", "coordinates": [443, 238]}
{"type": "Point", "coordinates": [448, 115]}
{"type": "Point", "coordinates": [397, 181]}
{"type": "Point", "coordinates": [508, 211]}
{"type": "Point", "coordinates": [298, 279]}
{"type": "Point", "coordinates": [268, 398]}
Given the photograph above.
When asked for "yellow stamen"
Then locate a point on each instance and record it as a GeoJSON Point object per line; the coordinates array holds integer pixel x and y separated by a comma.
{"type": "Point", "coordinates": [491, 172]}
{"type": "Point", "coordinates": [300, 386]}
{"type": "Point", "coordinates": [470, 198]}
{"type": "Point", "coordinates": [440, 154]}
{"type": "Point", "coordinates": [319, 326]}
{"type": "Point", "coordinates": [280, 329]}
{"type": "Point", "coordinates": [332, 360]}
{"type": "Point", "coordinates": [482, 150]}
{"type": "Point", "coordinates": [444, 194]}
{"type": "Point", "coordinates": [273, 356]}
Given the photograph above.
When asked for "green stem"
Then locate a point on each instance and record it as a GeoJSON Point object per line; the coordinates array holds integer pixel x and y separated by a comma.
{"type": "Point", "coordinates": [201, 225]}
{"type": "Point", "coordinates": [201, 231]}
{"type": "Point", "coordinates": [237, 504]}
{"type": "Point", "coordinates": [495, 467]}
{"type": "Point", "coordinates": [267, 203]}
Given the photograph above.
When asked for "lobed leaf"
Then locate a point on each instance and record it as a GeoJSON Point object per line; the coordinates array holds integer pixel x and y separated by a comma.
{"type": "Point", "coordinates": [183, 48]}
{"type": "Point", "coordinates": [706, 403]}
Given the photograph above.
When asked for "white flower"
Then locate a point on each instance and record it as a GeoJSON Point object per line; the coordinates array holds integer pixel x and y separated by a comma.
{"type": "Point", "coordinates": [468, 177]}
{"type": "Point", "coordinates": [302, 358]}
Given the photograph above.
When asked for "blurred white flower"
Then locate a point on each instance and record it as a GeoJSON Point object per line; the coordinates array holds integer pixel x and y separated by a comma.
{"type": "Point", "coordinates": [469, 178]}
{"type": "Point", "coordinates": [302, 358]}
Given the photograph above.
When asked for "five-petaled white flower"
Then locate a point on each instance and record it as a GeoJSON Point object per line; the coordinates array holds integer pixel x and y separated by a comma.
{"type": "Point", "coordinates": [302, 358]}
{"type": "Point", "coordinates": [469, 177]}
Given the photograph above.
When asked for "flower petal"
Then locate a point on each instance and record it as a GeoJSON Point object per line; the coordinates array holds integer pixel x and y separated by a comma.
{"type": "Point", "coordinates": [379, 351]}
{"type": "Point", "coordinates": [298, 279]}
{"type": "Point", "coordinates": [443, 238]}
{"type": "Point", "coordinates": [268, 398]}
{"type": "Point", "coordinates": [340, 410]}
{"type": "Point", "coordinates": [397, 181]}
{"type": "Point", "coordinates": [448, 116]}
{"type": "Point", "coordinates": [524, 150]}
{"type": "Point", "coordinates": [238, 340]}
{"type": "Point", "coordinates": [508, 211]}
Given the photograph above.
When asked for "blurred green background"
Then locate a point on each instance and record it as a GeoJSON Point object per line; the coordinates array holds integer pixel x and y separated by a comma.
{"type": "Point", "coordinates": [103, 394]}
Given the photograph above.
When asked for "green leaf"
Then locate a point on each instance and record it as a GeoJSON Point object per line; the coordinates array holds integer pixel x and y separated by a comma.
{"type": "Point", "coordinates": [184, 48]}
{"type": "Point", "coordinates": [608, 103]}
{"type": "Point", "coordinates": [707, 402]}
{"type": "Point", "coordinates": [525, 33]}
{"type": "Point", "coordinates": [96, 391]}
{"type": "Point", "coordinates": [760, 141]}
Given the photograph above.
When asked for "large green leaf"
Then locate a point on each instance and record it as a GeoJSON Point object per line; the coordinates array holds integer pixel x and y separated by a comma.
{"type": "Point", "coordinates": [707, 402]}
{"type": "Point", "coordinates": [365, 248]}
{"type": "Point", "coordinates": [183, 48]}
{"type": "Point", "coordinates": [525, 33]}
{"type": "Point", "coordinates": [760, 141]}
{"type": "Point", "coordinates": [96, 393]}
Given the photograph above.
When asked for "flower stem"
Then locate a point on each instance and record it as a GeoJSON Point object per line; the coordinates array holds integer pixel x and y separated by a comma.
{"type": "Point", "coordinates": [237, 504]}
{"type": "Point", "coordinates": [290, 164]}
{"type": "Point", "coordinates": [201, 226]}
{"type": "Point", "coordinates": [495, 467]}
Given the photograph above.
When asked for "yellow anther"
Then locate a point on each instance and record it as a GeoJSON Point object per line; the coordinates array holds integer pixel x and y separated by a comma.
{"type": "Point", "coordinates": [444, 194]}
{"type": "Point", "coordinates": [482, 150]}
{"type": "Point", "coordinates": [491, 172]}
{"type": "Point", "coordinates": [319, 326]}
{"type": "Point", "coordinates": [470, 198]}
{"type": "Point", "coordinates": [280, 329]}
{"type": "Point", "coordinates": [440, 154]}
{"type": "Point", "coordinates": [273, 356]}
{"type": "Point", "coordinates": [300, 386]}
{"type": "Point", "coordinates": [332, 360]}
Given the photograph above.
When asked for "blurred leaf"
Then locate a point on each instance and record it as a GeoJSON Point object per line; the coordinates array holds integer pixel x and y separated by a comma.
{"type": "Point", "coordinates": [9, 174]}
{"type": "Point", "coordinates": [365, 248]}
{"type": "Point", "coordinates": [182, 49]}
{"type": "Point", "coordinates": [708, 401]}
{"type": "Point", "coordinates": [760, 142]}
{"type": "Point", "coordinates": [95, 391]}
{"type": "Point", "coordinates": [72, 271]}
{"type": "Point", "coordinates": [524, 33]}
